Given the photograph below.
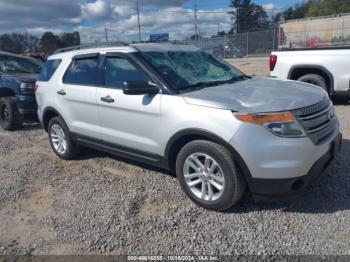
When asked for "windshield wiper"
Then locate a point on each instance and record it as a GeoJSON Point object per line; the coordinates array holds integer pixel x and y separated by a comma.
{"type": "Point", "coordinates": [200, 85]}
{"type": "Point", "coordinates": [237, 78]}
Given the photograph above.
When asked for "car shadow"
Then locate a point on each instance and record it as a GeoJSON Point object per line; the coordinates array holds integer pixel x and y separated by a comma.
{"type": "Point", "coordinates": [30, 124]}
{"type": "Point", "coordinates": [88, 153]}
{"type": "Point", "coordinates": [330, 193]}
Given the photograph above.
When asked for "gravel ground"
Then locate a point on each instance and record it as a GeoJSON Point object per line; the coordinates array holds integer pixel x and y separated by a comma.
{"type": "Point", "coordinates": [100, 204]}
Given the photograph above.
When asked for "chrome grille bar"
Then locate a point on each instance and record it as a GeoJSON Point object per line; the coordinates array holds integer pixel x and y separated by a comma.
{"type": "Point", "coordinates": [318, 121]}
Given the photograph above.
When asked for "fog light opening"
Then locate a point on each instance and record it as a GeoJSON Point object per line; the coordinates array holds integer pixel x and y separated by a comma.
{"type": "Point", "coordinates": [297, 184]}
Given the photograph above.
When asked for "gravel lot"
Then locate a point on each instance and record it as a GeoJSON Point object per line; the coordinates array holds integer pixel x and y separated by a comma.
{"type": "Point", "coordinates": [102, 204]}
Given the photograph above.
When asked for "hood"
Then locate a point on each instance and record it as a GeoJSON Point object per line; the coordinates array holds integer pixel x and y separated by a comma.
{"type": "Point", "coordinates": [257, 95]}
{"type": "Point", "coordinates": [21, 77]}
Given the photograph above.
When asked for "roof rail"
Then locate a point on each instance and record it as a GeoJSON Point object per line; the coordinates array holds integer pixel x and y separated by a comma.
{"type": "Point", "coordinates": [86, 46]}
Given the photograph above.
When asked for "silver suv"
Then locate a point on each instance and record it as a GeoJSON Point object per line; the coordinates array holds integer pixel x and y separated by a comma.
{"type": "Point", "coordinates": [181, 109]}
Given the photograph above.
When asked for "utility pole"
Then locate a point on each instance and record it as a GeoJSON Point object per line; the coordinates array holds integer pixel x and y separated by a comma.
{"type": "Point", "coordinates": [106, 35]}
{"type": "Point", "coordinates": [195, 24]}
{"type": "Point", "coordinates": [237, 20]}
{"type": "Point", "coordinates": [138, 19]}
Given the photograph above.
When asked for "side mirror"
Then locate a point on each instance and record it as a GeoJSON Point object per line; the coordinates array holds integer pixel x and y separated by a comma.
{"type": "Point", "coordinates": [140, 88]}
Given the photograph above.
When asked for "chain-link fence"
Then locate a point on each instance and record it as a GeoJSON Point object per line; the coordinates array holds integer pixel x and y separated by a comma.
{"type": "Point", "coordinates": [258, 43]}
{"type": "Point", "coordinates": [302, 33]}
{"type": "Point", "coordinates": [262, 43]}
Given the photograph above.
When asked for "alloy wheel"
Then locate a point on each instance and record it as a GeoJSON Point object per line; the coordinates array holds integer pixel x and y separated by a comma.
{"type": "Point", "coordinates": [58, 139]}
{"type": "Point", "coordinates": [204, 177]}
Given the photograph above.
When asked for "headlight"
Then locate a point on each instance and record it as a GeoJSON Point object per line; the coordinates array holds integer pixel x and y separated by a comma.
{"type": "Point", "coordinates": [281, 124]}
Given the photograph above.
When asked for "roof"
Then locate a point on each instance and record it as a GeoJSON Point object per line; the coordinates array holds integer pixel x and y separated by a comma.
{"type": "Point", "coordinates": [163, 47]}
{"type": "Point", "coordinates": [10, 54]}
{"type": "Point", "coordinates": [19, 56]}
{"type": "Point", "coordinates": [143, 47]}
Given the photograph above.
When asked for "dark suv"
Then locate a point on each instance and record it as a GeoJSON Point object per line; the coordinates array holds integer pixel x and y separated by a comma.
{"type": "Point", "coordinates": [17, 83]}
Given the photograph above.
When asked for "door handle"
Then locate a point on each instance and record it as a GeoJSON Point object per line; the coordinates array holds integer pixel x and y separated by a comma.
{"type": "Point", "coordinates": [107, 99]}
{"type": "Point", "coordinates": [61, 92]}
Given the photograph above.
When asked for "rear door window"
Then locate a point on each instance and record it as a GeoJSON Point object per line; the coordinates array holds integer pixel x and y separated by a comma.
{"type": "Point", "coordinates": [49, 69]}
{"type": "Point", "coordinates": [83, 71]}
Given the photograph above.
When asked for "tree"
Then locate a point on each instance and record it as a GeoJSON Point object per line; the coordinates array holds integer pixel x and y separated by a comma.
{"type": "Point", "coordinates": [248, 16]}
{"type": "Point", "coordinates": [221, 33]}
{"type": "Point", "coordinates": [70, 39]}
{"type": "Point", "coordinates": [32, 43]}
{"type": "Point", "coordinates": [297, 11]}
{"type": "Point", "coordinates": [50, 42]}
{"type": "Point", "coordinates": [328, 7]}
{"type": "Point", "coordinates": [195, 37]}
{"type": "Point", "coordinates": [19, 43]}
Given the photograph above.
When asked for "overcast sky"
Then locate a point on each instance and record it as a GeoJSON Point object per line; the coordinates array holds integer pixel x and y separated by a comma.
{"type": "Point", "coordinates": [90, 17]}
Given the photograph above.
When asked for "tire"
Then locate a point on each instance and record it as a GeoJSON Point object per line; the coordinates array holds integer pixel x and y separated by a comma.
{"type": "Point", "coordinates": [315, 80]}
{"type": "Point", "coordinates": [234, 183]}
{"type": "Point", "coordinates": [58, 130]}
{"type": "Point", "coordinates": [10, 118]}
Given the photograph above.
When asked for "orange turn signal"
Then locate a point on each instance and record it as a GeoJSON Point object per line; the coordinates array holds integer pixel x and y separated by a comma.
{"type": "Point", "coordinates": [261, 119]}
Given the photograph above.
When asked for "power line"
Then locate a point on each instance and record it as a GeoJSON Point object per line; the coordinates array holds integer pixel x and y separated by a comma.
{"type": "Point", "coordinates": [187, 11]}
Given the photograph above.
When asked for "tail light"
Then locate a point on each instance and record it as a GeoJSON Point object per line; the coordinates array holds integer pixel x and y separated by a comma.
{"type": "Point", "coordinates": [35, 88]}
{"type": "Point", "coordinates": [273, 61]}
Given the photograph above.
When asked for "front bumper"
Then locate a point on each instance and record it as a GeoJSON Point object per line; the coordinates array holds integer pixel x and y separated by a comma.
{"type": "Point", "coordinates": [277, 166]}
{"type": "Point", "coordinates": [269, 189]}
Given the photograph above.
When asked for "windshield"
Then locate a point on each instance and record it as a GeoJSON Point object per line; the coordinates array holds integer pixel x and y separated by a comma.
{"type": "Point", "coordinates": [191, 69]}
{"type": "Point", "coordinates": [11, 64]}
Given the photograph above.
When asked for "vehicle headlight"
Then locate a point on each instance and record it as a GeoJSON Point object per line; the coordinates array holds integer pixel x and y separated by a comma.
{"type": "Point", "coordinates": [281, 124]}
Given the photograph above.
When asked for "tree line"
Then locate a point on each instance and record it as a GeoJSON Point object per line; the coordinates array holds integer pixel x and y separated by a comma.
{"type": "Point", "coordinates": [249, 16]}
{"type": "Point", "coordinates": [21, 43]}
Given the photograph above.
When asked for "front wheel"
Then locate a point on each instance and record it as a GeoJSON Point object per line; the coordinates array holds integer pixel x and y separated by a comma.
{"type": "Point", "coordinates": [208, 175]}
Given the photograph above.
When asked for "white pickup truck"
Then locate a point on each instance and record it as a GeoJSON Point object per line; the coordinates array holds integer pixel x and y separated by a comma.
{"type": "Point", "coordinates": [328, 68]}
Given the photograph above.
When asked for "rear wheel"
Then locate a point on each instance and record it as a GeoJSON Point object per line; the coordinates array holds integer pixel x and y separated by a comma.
{"type": "Point", "coordinates": [208, 175]}
{"type": "Point", "coordinates": [60, 139]}
{"type": "Point", "coordinates": [315, 80]}
{"type": "Point", "coordinates": [10, 118]}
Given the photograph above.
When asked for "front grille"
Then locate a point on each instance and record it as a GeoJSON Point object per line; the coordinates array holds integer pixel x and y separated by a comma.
{"type": "Point", "coordinates": [319, 121]}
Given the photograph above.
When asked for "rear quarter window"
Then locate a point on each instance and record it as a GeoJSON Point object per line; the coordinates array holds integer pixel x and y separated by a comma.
{"type": "Point", "coordinates": [49, 69]}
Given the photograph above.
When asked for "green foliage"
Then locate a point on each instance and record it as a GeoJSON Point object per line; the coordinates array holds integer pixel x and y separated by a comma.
{"type": "Point", "coordinates": [298, 11]}
{"type": "Point", "coordinates": [313, 8]}
{"type": "Point", "coordinates": [49, 42]}
{"type": "Point", "coordinates": [328, 7]}
{"type": "Point", "coordinates": [248, 16]}
{"type": "Point", "coordinates": [18, 43]}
